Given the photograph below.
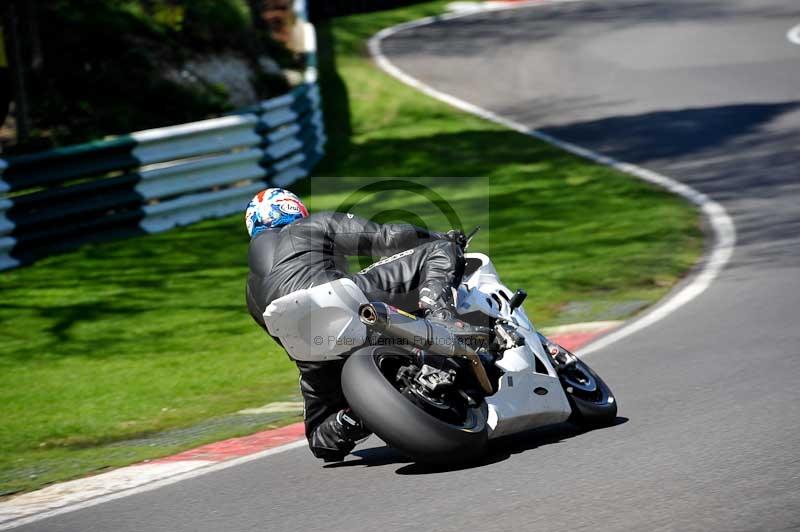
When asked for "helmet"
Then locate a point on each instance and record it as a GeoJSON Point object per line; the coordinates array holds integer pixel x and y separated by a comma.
{"type": "Point", "coordinates": [273, 207]}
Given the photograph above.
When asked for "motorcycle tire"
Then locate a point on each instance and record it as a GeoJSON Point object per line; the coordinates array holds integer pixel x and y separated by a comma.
{"type": "Point", "coordinates": [598, 408]}
{"type": "Point", "coordinates": [402, 424]}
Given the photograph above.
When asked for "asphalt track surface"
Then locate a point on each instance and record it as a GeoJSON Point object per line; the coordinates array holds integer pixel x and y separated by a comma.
{"type": "Point", "coordinates": [705, 92]}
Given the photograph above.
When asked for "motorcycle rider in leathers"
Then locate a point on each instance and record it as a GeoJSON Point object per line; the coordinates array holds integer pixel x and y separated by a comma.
{"type": "Point", "coordinates": [291, 250]}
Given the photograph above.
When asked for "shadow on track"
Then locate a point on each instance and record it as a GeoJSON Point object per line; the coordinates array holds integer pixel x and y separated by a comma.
{"type": "Point", "coordinates": [499, 450]}
{"type": "Point", "coordinates": [745, 155]}
{"type": "Point", "coordinates": [473, 35]}
{"type": "Point", "coordinates": [734, 137]}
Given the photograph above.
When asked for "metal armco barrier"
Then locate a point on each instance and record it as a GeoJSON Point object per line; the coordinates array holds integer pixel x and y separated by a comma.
{"type": "Point", "coordinates": [157, 179]}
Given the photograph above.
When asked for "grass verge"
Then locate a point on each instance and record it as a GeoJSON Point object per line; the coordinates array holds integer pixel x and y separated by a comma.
{"type": "Point", "coordinates": [118, 341]}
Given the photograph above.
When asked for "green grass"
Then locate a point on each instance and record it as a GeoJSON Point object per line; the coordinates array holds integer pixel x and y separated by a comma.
{"type": "Point", "coordinates": [119, 340]}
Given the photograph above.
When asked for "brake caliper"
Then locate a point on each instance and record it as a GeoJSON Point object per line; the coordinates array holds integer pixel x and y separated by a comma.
{"type": "Point", "coordinates": [432, 378]}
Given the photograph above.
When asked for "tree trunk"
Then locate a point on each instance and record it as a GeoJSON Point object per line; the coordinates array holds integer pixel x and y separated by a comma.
{"type": "Point", "coordinates": [18, 68]}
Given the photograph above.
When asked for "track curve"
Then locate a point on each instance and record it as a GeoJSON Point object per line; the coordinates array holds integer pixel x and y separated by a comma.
{"type": "Point", "coordinates": [722, 227]}
{"type": "Point", "coordinates": [706, 92]}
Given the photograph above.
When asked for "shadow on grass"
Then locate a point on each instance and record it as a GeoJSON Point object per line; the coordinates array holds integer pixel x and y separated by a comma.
{"type": "Point", "coordinates": [499, 450]}
{"type": "Point", "coordinates": [336, 108]}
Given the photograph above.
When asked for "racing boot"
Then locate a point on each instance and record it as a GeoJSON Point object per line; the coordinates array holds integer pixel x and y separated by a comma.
{"type": "Point", "coordinates": [337, 436]}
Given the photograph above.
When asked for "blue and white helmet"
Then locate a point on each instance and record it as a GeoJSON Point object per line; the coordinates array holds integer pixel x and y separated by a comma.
{"type": "Point", "coordinates": [273, 207]}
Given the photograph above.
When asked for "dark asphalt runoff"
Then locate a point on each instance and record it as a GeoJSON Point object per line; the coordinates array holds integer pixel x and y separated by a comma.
{"type": "Point", "coordinates": [706, 92]}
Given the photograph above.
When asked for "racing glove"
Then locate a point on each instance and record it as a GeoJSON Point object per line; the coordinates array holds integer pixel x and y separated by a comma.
{"type": "Point", "coordinates": [457, 237]}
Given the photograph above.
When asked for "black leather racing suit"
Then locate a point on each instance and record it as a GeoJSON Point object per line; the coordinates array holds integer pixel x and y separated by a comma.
{"type": "Point", "coordinates": [314, 250]}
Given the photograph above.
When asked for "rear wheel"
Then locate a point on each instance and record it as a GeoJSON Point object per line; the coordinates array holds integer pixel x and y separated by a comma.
{"type": "Point", "coordinates": [443, 429]}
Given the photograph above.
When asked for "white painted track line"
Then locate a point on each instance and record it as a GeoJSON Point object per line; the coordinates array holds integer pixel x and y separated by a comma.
{"type": "Point", "coordinates": [721, 224]}
{"type": "Point", "coordinates": [794, 35]}
{"type": "Point", "coordinates": [194, 470]}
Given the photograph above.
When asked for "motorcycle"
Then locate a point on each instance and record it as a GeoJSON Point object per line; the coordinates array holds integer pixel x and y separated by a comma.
{"type": "Point", "coordinates": [431, 391]}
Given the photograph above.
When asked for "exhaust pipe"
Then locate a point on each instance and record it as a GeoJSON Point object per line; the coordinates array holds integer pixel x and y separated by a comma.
{"type": "Point", "coordinates": [394, 323]}
{"type": "Point", "coordinates": [368, 315]}
{"type": "Point", "coordinates": [420, 333]}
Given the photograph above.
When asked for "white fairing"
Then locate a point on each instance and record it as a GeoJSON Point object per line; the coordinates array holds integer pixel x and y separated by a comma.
{"type": "Point", "coordinates": [516, 406]}
{"type": "Point", "coordinates": [320, 323]}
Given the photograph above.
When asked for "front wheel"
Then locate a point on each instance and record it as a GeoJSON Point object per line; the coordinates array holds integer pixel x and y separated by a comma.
{"type": "Point", "coordinates": [373, 392]}
{"type": "Point", "coordinates": [591, 399]}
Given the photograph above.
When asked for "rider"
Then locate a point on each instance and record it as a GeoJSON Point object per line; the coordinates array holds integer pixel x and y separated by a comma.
{"type": "Point", "coordinates": [291, 250]}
